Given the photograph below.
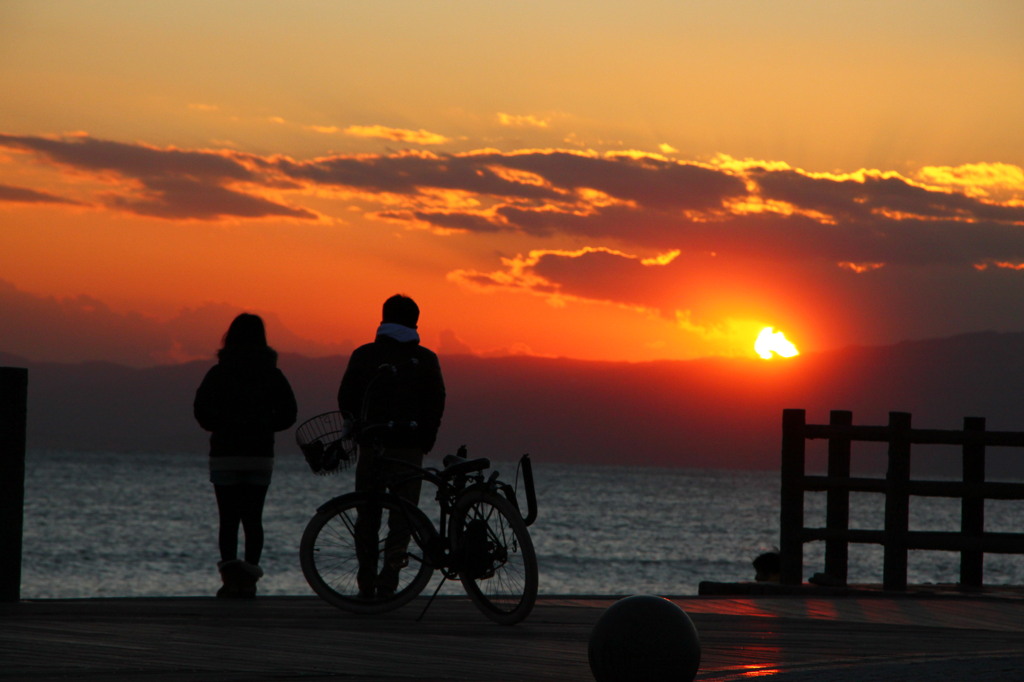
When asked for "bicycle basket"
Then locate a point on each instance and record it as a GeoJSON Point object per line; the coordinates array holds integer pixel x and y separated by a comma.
{"type": "Point", "coordinates": [325, 445]}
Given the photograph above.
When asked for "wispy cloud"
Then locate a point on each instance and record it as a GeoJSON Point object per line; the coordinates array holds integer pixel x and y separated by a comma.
{"type": "Point", "coordinates": [544, 272]}
{"type": "Point", "coordinates": [24, 195]}
{"type": "Point", "coordinates": [165, 182]}
{"type": "Point", "coordinates": [988, 180]}
{"type": "Point", "coordinates": [523, 121]}
{"type": "Point", "coordinates": [422, 137]}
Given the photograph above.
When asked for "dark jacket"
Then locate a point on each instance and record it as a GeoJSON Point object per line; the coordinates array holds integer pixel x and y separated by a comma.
{"type": "Point", "coordinates": [419, 370]}
{"type": "Point", "coordinates": [242, 401]}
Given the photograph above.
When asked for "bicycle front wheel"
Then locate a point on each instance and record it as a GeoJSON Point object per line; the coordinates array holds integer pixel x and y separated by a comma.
{"type": "Point", "coordinates": [360, 553]}
{"type": "Point", "coordinates": [496, 561]}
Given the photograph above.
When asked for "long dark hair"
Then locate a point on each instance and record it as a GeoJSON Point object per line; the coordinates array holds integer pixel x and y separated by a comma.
{"type": "Point", "coordinates": [245, 335]}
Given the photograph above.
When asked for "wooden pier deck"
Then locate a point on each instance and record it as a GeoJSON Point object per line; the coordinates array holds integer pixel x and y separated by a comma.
{"type": "Point", "coordinates": [788, 638]}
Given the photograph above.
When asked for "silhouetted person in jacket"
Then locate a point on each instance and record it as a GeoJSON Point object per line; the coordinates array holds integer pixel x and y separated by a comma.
{"type": "Point", "coordinates": [392, 395]}
{"type": "Point", "coordinates": [243, 400]}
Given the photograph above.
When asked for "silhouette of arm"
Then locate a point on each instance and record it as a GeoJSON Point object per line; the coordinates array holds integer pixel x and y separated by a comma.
{"type": "Point", "coordinates": [208, 406]}
{"type": "Point", "coordinates": [286, 409]}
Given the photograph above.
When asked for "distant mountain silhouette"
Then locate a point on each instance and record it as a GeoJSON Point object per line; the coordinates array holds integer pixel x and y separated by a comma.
{"type": "Point", "coordinates": [709, 413]}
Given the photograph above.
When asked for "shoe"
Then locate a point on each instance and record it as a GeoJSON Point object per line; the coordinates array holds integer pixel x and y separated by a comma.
{"type": "Point", "coordinates": [231, 575]}
{"type": "Point", "coordinates": [365, 595]}
{"type": "Point", "coordinates": [384, 593]}
{"type": "Point", "coordinates": [239, 579]}
{"type": "Point", "coordinates": [249, 575]}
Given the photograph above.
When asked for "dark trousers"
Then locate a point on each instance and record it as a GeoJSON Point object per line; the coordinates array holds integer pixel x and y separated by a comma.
{"type": "Point", "coordinates": [241, 504]}
{"type": "Point", "coordinates": [379, 566]}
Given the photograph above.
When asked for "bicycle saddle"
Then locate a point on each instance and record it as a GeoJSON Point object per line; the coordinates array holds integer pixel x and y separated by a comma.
{"type": "Point", "coordinates": [458, 466]}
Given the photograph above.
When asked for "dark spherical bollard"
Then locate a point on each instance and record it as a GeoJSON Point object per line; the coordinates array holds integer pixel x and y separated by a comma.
{"type": "Point", "coordinates": [644, 638]}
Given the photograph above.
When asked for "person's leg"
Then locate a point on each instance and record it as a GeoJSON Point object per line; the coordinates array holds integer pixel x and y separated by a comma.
{"type": "Point", "coordinates": [370, 476]}
{"type": "Point", "coordinates": [228, 508]}
{"type": "Point", "coordinates": [367, 526]}
{"type": "Point", "coordinates": [396, 545]}
{"type": "Point", "coordinates": [408, 490]}
{"type": "Point", "coordinates": [252, 498]}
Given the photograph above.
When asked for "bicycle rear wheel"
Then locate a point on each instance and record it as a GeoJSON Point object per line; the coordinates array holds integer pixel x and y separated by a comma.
{"type": "Point", "coordinates": [370, 564]}
{"type": "Point", "coordinates": [497, 564]}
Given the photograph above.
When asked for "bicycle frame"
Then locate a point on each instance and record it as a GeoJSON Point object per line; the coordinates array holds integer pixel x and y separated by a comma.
{"type": "Point", "coordinates": [480, 539]}
{"type": "Point", "coordinates": [455, 480]}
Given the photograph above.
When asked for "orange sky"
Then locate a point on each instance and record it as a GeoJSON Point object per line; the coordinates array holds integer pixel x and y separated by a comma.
{"type": "Point", "coordinates": [562, 179]}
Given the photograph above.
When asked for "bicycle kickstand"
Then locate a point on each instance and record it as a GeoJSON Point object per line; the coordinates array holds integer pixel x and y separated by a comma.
{"type": "Point", "coordinates": [431, 600]}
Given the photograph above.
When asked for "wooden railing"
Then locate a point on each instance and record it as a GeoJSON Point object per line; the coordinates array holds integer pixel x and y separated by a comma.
{"type": "Point", "coordinates": [972, 541]}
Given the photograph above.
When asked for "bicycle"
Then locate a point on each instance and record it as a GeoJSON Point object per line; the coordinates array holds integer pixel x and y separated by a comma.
{"type": "Point", "coordinates": [481, 539]}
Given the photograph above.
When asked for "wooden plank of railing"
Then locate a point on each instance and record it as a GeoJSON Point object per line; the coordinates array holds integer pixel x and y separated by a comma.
{"type": "Point", "coordinates": [952, 541]}
{"type": "Point", "coordinates": [948, 541]}
{"type": "Point", "coordinates": [992, 490]}
{"type": "Point", "coordinates": [1009, 439]}
{"type": "Point", "coordinates": [861, 433]}
{"type": "Point", "coordinates": [882, 434]}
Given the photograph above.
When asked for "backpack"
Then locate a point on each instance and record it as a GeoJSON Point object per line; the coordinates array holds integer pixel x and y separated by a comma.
{"type": "Point", "coordinates": [392, 398]}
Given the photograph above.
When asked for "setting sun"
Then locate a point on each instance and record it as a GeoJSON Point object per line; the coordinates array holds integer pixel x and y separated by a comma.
{"type": "Point", "coordinates": [770, 343]}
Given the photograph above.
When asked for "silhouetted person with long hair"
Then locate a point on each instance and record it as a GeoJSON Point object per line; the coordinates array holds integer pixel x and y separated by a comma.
{"type": "Point", "coordinates": [243, 400]}
{"type": "Point", "coordinates": [392, 395]}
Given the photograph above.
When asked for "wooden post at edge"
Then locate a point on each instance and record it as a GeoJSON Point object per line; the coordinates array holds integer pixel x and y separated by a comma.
{"type": "Point", "coordinates": [791, 518]}
{"type": "Point", "coordinates": [13, 415]}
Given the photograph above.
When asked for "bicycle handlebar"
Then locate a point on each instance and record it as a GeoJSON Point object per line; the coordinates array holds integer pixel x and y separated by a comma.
{"type": "Point", "coordinates": [458, 465]}
{"type": "Point", "coordinates": [531, 494]}
{"type": "Point", "coordinates": [453, 466]}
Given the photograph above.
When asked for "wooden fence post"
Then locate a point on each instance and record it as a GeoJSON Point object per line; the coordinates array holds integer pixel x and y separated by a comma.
{"type": "Point", "coordinates": [972, 504]}
{"type": "Point", "coordinates": [837, 505]}
{"type": "Point", "coordinates": [897, 503]}
{"type": "Point", "coordinates": [13, 412]}
{"type": "Point", "coordinates": [971, 542]}
{"type": "Point", "coordinates": [791, 519]}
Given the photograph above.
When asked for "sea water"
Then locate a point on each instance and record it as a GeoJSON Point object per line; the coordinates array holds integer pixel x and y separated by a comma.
{"type": "Point", "coordinates": [123, 525]}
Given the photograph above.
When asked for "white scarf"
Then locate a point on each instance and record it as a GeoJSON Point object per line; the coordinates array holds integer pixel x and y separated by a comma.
{"type": "Point", "coordinates": [398, 332]}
